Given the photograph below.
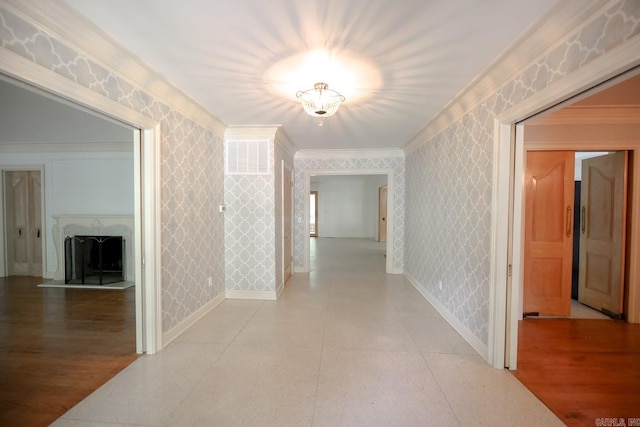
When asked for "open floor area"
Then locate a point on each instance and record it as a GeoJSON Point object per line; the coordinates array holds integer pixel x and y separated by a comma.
{"type": "Point", "coordinates": [583, 369]}
{"type": "Point", "coordinates": [345, 345]}
{"type": "Point", "coordinates": [59, 345]}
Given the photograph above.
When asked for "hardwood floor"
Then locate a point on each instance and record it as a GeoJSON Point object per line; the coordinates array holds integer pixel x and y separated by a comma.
{"type": "Point", "coordinates": [582, 369]}
{"type": "Point", "coordinates": [59, 345]}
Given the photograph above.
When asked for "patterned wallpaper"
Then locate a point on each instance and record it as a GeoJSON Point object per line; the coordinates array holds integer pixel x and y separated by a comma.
{"type": "Point", "coordinates": [449, 178]}
{"type": "Point", "coordinates": [250, 255]}
{"type": "Point", "coordinates": [191, 167]}
{"type": "Point", "coordinates": [397, 164]}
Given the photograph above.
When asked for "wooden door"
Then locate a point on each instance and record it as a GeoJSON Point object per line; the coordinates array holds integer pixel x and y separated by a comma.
{"type": "Point", "coordinates": [602, 233]}
{"type": "Point", "coordinates": [24, 221]}
{"type": "Point", "coordinates": [382, 214]}
{"type": "Point", "coordinates": [287, 215]}
{"type": "Point", "coordinates": [549, 188]}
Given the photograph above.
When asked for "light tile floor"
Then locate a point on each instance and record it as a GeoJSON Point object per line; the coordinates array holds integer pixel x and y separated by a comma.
{"type": "Point", "coordinates": [345, 345]}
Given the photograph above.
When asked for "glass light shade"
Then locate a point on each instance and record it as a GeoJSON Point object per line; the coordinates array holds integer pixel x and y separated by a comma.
{"type": "Point", "coordinates": [320, 101]}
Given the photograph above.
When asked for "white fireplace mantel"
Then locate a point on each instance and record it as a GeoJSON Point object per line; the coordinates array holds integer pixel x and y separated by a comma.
{"type": "Point", "coordinates": [94, 225]}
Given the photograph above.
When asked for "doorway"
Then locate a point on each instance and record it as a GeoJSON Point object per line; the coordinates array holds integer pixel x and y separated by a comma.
{"type": "Point", "coordinates": [585, 120]}
{"type": "Point", "coordinates": [145, 164]}
{"type": "Point", "coordinates": [382, 214]}
{"type": "Point", "coordinates": [313, 213]}
{"type": "Point", "coordinates": [353, 215]}
{"type": "Point", "coordinates": [575, 233]}
{"type": "Point", "coordinates": [23, 222]}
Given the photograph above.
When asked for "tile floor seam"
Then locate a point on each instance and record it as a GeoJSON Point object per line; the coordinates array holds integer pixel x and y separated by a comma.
{"type": "Point", "coordinates": [206, 371]}
{"type": "Point", "coordinates": [446, 398]}
{"type": "Point", "coordinates": [315, 397]}
{"type": "Point", "coordinates": [195, 384]}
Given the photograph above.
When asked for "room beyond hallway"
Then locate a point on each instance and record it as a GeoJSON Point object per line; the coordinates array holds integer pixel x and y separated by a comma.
{"type": "Point", "coordinates": [59, 345]}
{"type": "Point", "coordinates": [345, 345]}
{"type": "Point", "coordinates": [582, 369]}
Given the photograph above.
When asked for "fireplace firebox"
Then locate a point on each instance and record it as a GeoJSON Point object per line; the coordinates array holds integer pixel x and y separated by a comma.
{"type": "Point", "coordinates": [94, 260]}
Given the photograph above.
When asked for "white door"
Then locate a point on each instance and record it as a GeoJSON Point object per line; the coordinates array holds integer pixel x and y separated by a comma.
{"type": "Point", "coordinates": [23, 223]}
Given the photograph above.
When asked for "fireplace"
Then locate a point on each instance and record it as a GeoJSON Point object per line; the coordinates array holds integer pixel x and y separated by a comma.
{"type": "Point", "coordinates": [94, 260]}
{"type": "Point", "coordinates": [98, 226]}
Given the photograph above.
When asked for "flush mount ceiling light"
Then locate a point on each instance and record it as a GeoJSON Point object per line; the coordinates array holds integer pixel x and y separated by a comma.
{"type": "Point", "coordinates": [320, 101]}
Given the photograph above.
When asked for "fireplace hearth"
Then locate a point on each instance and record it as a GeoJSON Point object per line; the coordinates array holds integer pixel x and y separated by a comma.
{"type": "Point", "coordinates": [94, 260]}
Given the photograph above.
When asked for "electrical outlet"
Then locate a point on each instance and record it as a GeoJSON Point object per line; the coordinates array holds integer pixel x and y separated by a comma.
{"type": "Point", "coordinates": [210, 282]}
{"type": "Point", "coordinates": [440, 284]}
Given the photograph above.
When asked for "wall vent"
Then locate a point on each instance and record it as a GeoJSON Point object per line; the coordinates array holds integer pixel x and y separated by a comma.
{"type": "Point", "coordinates": [247, 158]}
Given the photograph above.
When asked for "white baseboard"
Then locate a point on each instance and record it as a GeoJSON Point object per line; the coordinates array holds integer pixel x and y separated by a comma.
{"type": "Point", "coordinates": [279, 290]}
{"type": "Point", "coordinates": [258, 295]}
{"type": "Point", "coordinates": [466, 333]}
{"type": "Point", "coordinates": [171, 335]}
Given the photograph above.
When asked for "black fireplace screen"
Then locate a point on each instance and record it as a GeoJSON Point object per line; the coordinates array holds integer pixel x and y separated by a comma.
{"type": "Point", "coordinates": [93, 260]}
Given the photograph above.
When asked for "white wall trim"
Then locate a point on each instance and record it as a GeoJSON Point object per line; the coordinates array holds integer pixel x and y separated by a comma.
{"type": "Point", "coordinates": [256, 295]}
{"type": "Point", "coordinates": [391, 204]}
{"type": "Point", "coordinates": [381, 153]}
{"type": "Point", "coordinates": [283, 140]}
{"type": "Point", "coordinates": [499, 247]}
{"type": "Point", "coordinates": [48, 147]}
{"type": "Point", "coordinates": [245, 133]}
{"type": "Point", "coordinates": [465, 332]}
{"type": "Point", "coordinates": [177, 330]}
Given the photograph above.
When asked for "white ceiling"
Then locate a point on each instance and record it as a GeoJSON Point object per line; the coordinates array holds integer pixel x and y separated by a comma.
{"type": "Point", "coordinates": [416, 56]}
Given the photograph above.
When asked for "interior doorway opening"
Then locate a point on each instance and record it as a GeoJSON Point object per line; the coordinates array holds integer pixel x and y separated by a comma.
{"type": "Point", "coordinates": [350, 212]}
{"type": "Point", "coordinates": [142, 142]}
{"type": "Point", "coordinates": [575, 233]}
{"type": "Point", "coordinates": [313, 213]}
{"type": "Point", "coordinates": [578, 116]}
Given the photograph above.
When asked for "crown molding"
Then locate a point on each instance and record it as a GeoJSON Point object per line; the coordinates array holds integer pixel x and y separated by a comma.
{"type": "Point", "coordinates": [380, 153]}
{"type": "Point", "coordinates": [51, 147]}
{"type": "Point", "coordinates": [59, 19]}
{"type": "Point", "coordinates": [283, 140]}
{"type": "Point", "coordinates": [245, 133]}
{"type": "Point", "coordinates": [591, 115]}
{"type": "Point", "coordinates": [544, 35]}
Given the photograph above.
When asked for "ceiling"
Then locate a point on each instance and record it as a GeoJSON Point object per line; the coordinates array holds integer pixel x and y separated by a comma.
{"type": "Point", "coordinates": [397, 62]}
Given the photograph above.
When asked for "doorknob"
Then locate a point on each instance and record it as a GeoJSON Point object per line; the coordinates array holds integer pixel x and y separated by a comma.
{"type": "Point", "coordinates": [583, 219]}
{"type": "Point", "coordinates": [20, 232]}
{"type": "Point", "coordinates": [568, 221]}
{"type": "Point", "coordinates": [383, 218]}
{"type": "Point", "coordinates": [38, 233]}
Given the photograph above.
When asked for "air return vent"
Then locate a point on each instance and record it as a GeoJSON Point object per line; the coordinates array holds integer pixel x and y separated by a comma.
{"type": "Point", "coordinates": [247, 158]}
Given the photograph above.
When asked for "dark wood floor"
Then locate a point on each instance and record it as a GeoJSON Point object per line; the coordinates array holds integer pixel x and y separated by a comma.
{"type": "Point", "coordinates": [59, 345]}
{"type": "Point", "coordinates": [581, 369]}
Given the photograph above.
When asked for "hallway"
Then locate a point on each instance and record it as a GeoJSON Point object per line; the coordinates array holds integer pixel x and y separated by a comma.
{"type": "Point", "coordinates": [345, 345]}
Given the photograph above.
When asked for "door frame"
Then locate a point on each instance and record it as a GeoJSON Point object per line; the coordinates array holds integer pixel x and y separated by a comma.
{"type": "Point", "coordinates": [390, 208]}
{"type": "Point", "coordinates": [508, 156]}
{"type": "Point", "coordinates": [146, 148]}
{"type": "Point", "coordinates": [286, 169]}
{"type": "Point", "coordinates": [3, 215]}
{"type": "Point", "coordinates": [316, 213]}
